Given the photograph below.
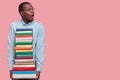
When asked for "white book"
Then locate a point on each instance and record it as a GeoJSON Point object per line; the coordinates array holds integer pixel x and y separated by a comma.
{"type": "Point", "coordinates": [23, 65]}
{"type": "Point", "coordinates": [23, 40]}
{"type": "Point", "coordinates": [26, 38]}
{"type": "Point", "coordinates": [23, 31]}
{"type": "Point", "coordinates": [24, 76]}
{"type": "Point", "coordinates": [23, 60]}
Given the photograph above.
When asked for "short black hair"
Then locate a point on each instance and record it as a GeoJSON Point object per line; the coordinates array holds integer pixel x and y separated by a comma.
{"type": "Point", "coordinates": [20, 8]}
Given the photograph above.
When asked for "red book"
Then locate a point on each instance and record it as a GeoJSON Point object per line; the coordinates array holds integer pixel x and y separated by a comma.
{"type": "Point", "coordinates": [23, 68]}
{"type": "Point", "coordinates": [29, 57]}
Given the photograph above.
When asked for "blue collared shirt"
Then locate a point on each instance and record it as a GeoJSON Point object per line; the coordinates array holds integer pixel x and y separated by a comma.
{"type": "Point", "coordinates": [38, 42]}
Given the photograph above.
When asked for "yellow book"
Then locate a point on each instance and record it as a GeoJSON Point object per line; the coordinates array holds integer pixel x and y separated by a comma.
{"type": "Point", "coordinates": [23, 45]}
{"type": "Point", "coordinates": [23, 50]}
{"type": "Point", "coordinates": [24, 63]}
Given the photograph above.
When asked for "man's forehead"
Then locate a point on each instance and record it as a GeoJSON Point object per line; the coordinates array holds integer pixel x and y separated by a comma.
{"type": "Point", "coordinates": [27, 6]}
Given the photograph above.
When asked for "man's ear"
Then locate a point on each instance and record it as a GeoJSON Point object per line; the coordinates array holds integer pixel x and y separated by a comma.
{"type": "Point", "coordinates": [21, 13]}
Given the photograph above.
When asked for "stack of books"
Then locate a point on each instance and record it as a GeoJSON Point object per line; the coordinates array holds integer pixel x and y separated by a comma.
{"type": "Point", "coordinates": [24, 65]}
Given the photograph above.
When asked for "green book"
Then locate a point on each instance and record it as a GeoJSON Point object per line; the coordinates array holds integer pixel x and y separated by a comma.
{"type": "Point", "coordinates": [24, 43]}
{"type": "Point", "coordinates": [24, 53]}
{"type": "Point", "coordinates": [18, 34]}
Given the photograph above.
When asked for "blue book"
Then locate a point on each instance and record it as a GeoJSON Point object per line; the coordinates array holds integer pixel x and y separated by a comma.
{"type": "Point", "coordinates": [24, 29]}
{"type": "Point", "coordinates": [24, 72]}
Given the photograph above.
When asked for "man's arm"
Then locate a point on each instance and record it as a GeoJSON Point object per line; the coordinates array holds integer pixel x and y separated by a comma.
{"type": "Point", "coordinates": [40, 50]}
{"type": "Point", "coordinates": [11, 43]}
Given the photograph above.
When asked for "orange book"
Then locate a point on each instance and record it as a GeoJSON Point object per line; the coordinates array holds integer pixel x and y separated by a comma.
{"type": "Point", "coordinates": [23, 48]}
{"type": "Point", "coordinates": [23, 36]}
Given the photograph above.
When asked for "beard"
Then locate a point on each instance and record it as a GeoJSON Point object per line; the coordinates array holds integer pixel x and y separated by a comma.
{"type": "Point", "coordinates": [26, 20]}
{"type": "Point", "coordinates": [30, 20]}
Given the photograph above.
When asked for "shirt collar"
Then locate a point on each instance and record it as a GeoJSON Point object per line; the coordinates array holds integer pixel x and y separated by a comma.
{"type": "Point", "coordinates": [25, 23]}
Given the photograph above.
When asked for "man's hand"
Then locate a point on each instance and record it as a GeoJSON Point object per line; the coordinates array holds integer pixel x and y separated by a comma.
{"type": "Point", "coordinates": [10, 73]}
{"type": "Point", "coordinates": [38, 74]}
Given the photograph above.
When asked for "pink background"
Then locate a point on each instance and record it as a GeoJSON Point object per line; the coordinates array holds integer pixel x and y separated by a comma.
{"type": "Point", "coordinates": [82, 38]}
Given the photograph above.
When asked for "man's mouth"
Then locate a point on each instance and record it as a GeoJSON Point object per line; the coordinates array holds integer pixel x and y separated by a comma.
{"type": "Point", "coordinates": [32, 16]}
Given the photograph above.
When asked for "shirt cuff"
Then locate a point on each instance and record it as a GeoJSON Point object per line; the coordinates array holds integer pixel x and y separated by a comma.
{"type": "Point", "coordinates": [38, 68]}
{"type": "Point", "coordinates": [11, 67]}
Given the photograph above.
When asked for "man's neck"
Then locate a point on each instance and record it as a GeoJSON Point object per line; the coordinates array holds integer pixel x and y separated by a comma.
{"type": "Point", "coordinates": [26, 21]}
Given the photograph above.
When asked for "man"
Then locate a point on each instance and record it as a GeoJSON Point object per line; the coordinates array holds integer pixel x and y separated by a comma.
{"type": "Point", "coordinates": [27, 13]}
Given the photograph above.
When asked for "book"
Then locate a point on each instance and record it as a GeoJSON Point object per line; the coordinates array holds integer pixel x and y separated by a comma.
{"type": "Point", "coordinates": [20, 34]}
{"type": "Point", "coordinates": [23, 68]}
{"type": "Point", "coordinates": [24, 43]}
{"type": "Point", "coordinates": [24, 76]}
{"type": "Point", "coordinates": [16, 65]}
{"type": "Point", "coordinates": [24, 53]}
{"type": "Point", "coordinates": [24, 29]}
{"type": "Point", "coordinates": [24, 57]}
{"type": "Point", "coordinates": [23, 48]}
{"type": "Point", "coordinates": [24, 63]}
{"type": "Point", "coordinates": [23, 40]}
{"type": "Point", "coordinates": [23, 32]}
{"type": "Point", "coordinates": [26, 38]}
{"type": "Point", "coordinates": [23, 60]}
{"type": "Point", "coordinates": [24, 72]}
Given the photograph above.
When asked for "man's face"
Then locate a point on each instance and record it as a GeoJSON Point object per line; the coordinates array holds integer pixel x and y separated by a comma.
{"type": "Point", "coordinates": [28, 12]}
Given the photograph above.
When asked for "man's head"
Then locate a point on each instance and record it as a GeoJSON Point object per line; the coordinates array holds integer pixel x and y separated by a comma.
{"type": "Point", "coordinates": [26, 11]}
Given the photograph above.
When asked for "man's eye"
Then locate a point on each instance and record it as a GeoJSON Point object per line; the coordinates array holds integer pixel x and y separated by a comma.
{"type": "Point", "coordinates": [28, 9]}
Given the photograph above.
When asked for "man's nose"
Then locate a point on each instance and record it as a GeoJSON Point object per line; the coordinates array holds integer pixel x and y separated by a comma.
{"type": "Point", "coordinates": [32, 11]}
